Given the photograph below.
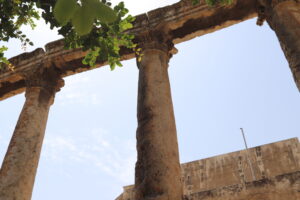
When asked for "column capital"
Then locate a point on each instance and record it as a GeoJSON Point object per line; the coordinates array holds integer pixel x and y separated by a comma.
{"type": "Point", "coordinates": [158, 40]}
{"type": "Point", "coordinates": [265, 7]}
{"type": "Point", "coordinates": [47, 78]}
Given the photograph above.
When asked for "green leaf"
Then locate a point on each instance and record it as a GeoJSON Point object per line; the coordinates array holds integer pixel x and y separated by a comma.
{"type": "Point", "coordinates": [125, 26]}
{"type": "Point", "coordinates": [64, 10]}
{"type": "Point", "coordinates": [103, 12]}
{"type": "Point", "coordinates": [3, 59]}
{"type": "Point", "coordinates": [83, 20]}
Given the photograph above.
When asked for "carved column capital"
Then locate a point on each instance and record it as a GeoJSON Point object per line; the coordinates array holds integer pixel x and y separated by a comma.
{"type": "Point", "coordinates": [265, 9]}
{"type": "Point", "coordinates": [158, 40]}
{"type": "Point", "coordinates": [46, 78]}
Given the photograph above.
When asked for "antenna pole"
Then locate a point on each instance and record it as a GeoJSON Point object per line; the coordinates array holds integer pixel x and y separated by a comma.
{"type": "Point", "coordinates": [247, 154]}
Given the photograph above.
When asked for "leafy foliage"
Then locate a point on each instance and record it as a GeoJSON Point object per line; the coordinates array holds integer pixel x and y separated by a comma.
{"type": "Point", "coordinates": [14, 14]}
{"type": "Point", "coordinates": [82, 17]}
{"type": "Point", "coordinates": [88, 24]}
{"type": "Point", "coordinates": [2, 58]}
{"type": "Point", "coordinates": [103, 40]}
{"type": "Point", "coordinates": [104, 43]}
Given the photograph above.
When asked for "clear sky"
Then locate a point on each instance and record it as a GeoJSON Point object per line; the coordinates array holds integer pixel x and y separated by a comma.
{"type": "Point", "coordinates": [236, 77]}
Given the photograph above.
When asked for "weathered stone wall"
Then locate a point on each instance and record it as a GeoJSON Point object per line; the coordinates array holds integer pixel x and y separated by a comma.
{"type": "Point", "coordinates": [233, 168]}
{"type": "Point", "coordinates": [276, 168]}
{"type": "Point", "coordinates": [282, 187]}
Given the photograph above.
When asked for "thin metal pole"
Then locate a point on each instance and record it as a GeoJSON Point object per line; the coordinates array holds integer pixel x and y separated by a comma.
{"type": "Point", "coordinates": [247, 154]}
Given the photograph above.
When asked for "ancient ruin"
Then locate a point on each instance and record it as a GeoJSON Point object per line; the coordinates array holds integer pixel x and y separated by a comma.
{"type": "Point", "coordinates": [158, 174]}
{"type": "Point", "coordinates": [229, 176]}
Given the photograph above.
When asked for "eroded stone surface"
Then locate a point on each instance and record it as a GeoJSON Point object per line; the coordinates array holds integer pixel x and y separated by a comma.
{"type": "Point", "coordinates": [157, 172]}
{"type": "Point", "coordinates": [282, 187]}
{"type": "Point", "coordinates": [20, 163]}
{"type": "Point", "coordinates": [283, 17]}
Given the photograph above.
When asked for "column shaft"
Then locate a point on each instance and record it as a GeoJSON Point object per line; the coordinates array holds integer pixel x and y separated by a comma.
{"type": "Point", "coordinates": [19, 167]}
{"type": "Point", "coordinates": [158, 173]}
{"type": "Point", "coordinates": [284, 18]}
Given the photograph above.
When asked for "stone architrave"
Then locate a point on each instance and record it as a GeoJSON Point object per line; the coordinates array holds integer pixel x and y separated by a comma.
{"type": "Point", "coordinates": [19, 167]}
{"type": "Point", "coordinates": [157, 172]}
{"type": "Point", "coordinates": [283, 16]}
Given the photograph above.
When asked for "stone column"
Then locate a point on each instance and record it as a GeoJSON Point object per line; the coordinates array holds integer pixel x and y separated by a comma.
{"type": "Point", "coordinates": [157, 172]}
{"type": "Point", "coordinates": [283, 16]}
{"type": "Point", "coordinates": [19, 167]}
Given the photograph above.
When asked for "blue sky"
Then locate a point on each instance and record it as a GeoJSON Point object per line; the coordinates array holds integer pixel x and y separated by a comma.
{"type": "Point", "coordinates": [236, 77]}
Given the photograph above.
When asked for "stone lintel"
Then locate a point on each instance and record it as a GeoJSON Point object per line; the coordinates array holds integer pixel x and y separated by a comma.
{"type": "Point", "coordinates": [183, 21]}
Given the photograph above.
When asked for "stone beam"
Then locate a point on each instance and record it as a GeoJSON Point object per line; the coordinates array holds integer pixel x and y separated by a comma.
{"type": "Point", "coordinates": [182, 21]}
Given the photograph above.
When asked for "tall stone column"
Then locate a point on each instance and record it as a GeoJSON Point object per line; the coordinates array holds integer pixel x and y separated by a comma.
{"type": "Point", "coordinates": [157, 172]}
{"type": "Point", "coordinates": [20, 164]}
{"type": "Point", "coordinates": [283, 16]}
